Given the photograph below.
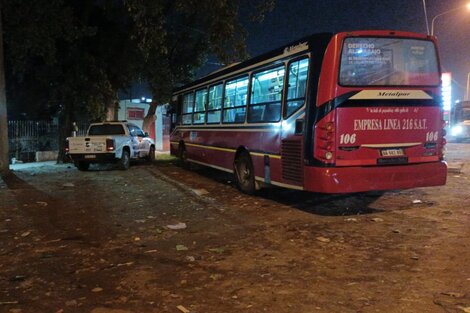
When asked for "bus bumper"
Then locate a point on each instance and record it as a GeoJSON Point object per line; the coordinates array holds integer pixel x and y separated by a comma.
{"type": "Point", "coordinates": [359, 179]}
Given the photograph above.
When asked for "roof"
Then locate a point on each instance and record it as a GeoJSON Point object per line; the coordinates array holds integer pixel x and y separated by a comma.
{"type": "Point", "coordinates": [297, 46]}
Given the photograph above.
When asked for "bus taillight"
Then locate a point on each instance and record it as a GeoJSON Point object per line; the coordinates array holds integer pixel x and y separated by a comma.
{"type": "Point", "coordinates": [67, 147]}
{"type": "Point", "coordinates": [443, 140]}
{"type": "Point", "coordinates": [325, 140]}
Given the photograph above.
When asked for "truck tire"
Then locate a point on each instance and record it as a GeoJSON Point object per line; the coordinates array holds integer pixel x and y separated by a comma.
{"type": "Point", "coordinates": [82, 166]}
{"type": "Point", "coordinates": [151, 156]}
{"type": "Point", "coordinates": [125, 160]}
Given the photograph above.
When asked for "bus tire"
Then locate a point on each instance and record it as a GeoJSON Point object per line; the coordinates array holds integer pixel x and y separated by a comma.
{"type": "Point", "coordinates": [244, 174]}
{"type": "Point", "coordinates": [82, 166]}
{"type": "Point", "coordinates": [125, 160]}
{"type": "Point", "coordinates": [182, 155]}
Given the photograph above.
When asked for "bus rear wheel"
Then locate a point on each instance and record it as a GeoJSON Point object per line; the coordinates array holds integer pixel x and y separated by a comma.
{"type": "Point", "coordinates": [244, 174]}
{"type": "Point", "coordinates": [182, 156]}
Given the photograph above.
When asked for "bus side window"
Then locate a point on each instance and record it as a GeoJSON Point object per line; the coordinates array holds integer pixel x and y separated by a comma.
{"type": "Point", "coordinates": [236, 92]}
{"type": "Point", "coordinates": [296, 86]}
{"type": "Point", "coordinates": [266, 94]}
{"type": "Point", "coordinates": [199, 116]}
{"type": "Point", "coordinates": [187, 110]}
{"type": "Point", "coordinates": [214, 105]}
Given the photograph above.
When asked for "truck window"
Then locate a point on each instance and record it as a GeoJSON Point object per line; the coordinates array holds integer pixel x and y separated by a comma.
{"type": "Point", "coordinates": [106, 129]}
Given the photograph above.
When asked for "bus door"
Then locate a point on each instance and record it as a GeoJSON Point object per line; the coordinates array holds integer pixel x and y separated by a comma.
{"type": "Point", "coordinates": [292, 125]}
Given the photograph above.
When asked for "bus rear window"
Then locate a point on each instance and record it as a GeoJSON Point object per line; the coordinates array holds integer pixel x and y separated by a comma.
{"type": "Point", "coordinates": [369, 61]}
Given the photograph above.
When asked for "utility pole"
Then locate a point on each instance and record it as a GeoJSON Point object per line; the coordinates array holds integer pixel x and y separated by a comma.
{"type": "Point", "coordinates": [4, 163]}
{"type": "Point", "coordinates": [426, 16]}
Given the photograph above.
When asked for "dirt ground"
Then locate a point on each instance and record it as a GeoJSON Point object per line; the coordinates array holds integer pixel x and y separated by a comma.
{"type": "Point", "coordinates": [102, 242]}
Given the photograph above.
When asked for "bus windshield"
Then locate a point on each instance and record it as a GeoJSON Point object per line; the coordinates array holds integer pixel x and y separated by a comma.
{"type": "Point", "coordinates": [381, 61]}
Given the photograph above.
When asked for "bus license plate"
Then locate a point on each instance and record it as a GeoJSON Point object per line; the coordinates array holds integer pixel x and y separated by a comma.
{"type": "Point", "coordinates": [90, 156]}
{"type": "Point", "coordinates": [391, 152]}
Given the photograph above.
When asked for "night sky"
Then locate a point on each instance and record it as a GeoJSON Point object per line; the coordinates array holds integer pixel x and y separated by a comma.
{"type": "Point", "coordinates": [293, 19]}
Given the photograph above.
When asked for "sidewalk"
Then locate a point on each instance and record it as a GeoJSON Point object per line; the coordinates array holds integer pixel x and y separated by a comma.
{"type": "Point", "coordinates": [22, 166]}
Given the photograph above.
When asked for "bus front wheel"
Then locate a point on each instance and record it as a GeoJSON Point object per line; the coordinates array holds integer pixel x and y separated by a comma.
{"type": "Point", "coordinates": [244, 174]}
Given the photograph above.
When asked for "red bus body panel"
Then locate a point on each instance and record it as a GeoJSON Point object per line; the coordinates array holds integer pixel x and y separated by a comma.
{"type": "Point", "coordinates": [358, 179]}
{"type": "Point", "coordinates": [363, 133]}
{"type": "Point", "coordinates": [377, 128]}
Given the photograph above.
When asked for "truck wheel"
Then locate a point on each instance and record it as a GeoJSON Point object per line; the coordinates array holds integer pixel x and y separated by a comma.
{"type": "Point", "coordinates": [82, 166]}
{"type": "Point", "coordinates": [151, 156]}
{"type": "Point", "coordinates": [244, 174]}
{"type": "Point", "coordinates": [125, 160]}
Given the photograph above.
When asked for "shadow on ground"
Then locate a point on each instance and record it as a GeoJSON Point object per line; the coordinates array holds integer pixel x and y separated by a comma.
{"type": "Point", "coordinates": [314, 203]}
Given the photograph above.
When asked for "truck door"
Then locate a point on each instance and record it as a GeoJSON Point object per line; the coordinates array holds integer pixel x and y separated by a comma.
{"type": "Point", "coordinates": [136, 141]}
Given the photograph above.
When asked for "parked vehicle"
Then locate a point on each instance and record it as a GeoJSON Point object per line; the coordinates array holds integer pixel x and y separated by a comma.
{"type": "Point", "coordinates": [460, 121]}
{"type": "Point", "coordinates": [110, 142]}
{"type": "Point", "coordinates": [330, 113]}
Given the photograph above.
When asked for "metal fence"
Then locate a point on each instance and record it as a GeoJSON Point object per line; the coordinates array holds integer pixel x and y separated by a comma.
{"type": "Point", "coordinates": [25, 138]}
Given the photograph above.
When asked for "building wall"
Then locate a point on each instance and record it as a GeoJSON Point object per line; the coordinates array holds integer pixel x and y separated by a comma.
{"type": "Point", "coordinates": [131, 110]}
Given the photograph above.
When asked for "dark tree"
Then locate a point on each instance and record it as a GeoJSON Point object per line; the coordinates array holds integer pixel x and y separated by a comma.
{"type": "Point", "coordinates": [175, 36]}
{"type": "Point", "coordinates": [70, 57]}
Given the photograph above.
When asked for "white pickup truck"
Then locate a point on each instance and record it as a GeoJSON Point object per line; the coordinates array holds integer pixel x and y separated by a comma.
{"type": "Point", "coordinates": [110, 142]}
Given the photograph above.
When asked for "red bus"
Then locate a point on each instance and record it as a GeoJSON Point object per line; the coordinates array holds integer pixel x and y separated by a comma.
{"type": "Point", "coordinates": [330, 113]}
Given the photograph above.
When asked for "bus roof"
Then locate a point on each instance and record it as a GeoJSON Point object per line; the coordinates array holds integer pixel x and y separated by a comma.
{"type": "Point", "coordinates": [316, 42]}
{"type": "Point", "coordinates": [298, 46]}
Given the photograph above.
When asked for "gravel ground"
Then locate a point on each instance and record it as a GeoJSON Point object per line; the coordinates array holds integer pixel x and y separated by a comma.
{"type": "Point", "coordinates": [159, 238]}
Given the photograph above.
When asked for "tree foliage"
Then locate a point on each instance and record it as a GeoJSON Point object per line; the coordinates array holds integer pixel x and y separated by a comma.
{"type": "Point", "coordinates": [72, 56]}
{"type": "Point", "coordinates": [175, 36]}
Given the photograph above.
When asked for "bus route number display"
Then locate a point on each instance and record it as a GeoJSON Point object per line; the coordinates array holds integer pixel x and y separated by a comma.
{"type": "Point", "coordinates": [366, 54]}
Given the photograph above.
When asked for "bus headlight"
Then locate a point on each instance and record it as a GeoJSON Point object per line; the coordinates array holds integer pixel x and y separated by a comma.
{"type": "Point", "coordinates": [456, 130]}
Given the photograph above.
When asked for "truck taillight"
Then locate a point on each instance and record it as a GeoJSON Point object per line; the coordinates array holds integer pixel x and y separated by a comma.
{"type": "Point", "coordinates": [325, 139]}
{"type": "Point", "coordinates": [67, 147]}
{"type": "Point", "coordinates": [109, 145]}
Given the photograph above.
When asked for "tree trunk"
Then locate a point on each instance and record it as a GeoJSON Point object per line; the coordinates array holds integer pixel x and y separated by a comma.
{"type": "Point", "coordinates": [111, 112]}
{"type": "Point", "coordinates": [65, 125]}
{"type": "Point", "coordinates": [4, 162]}
{"type": "Point", "coordinates": [150, 117]}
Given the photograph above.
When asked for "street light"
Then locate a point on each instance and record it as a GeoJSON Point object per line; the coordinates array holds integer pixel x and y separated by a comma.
{"type": "Point", "coordinates": [443, 13]}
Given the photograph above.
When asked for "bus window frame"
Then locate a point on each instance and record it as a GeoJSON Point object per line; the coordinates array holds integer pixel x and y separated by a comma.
{"type": "Point", "coordinates": [259, 70]}
{"type": "Point", "coordinates": [234, 78]}
{"type": "Point", "coordinates": [222, 83]}
{"type": "Point", "coordinates": [438, 64]}
{"type": "Point", "coordinates": [205, 106]}
{"type": "Point", "coordinates": [307, 56]}
{"type": "Point", "coordinates": [182, 106]}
